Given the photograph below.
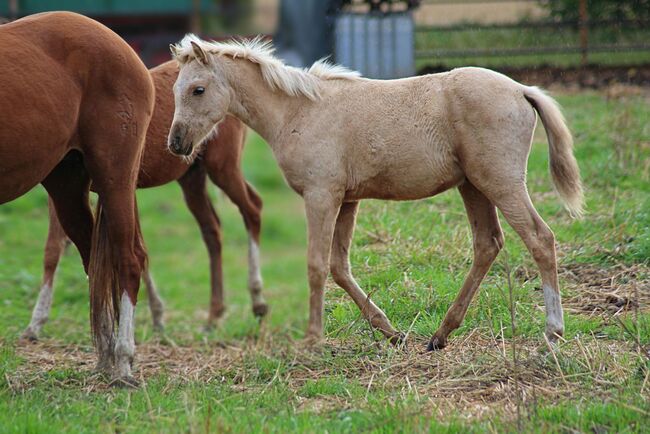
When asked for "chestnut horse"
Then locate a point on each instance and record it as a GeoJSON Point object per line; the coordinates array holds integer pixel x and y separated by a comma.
{"type": "Point", "coordinates": [75, 103]}
{"type": "Point", "coordinates": [340, 138]}
{"type": "Point", "coordinates": [221, 162]}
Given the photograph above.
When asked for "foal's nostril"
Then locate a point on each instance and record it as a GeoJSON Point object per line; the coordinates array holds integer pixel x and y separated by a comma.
{"type": "Point", "coordinates": [176, 144]}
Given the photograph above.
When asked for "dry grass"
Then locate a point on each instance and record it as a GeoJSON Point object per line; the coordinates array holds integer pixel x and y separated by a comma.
{"type": "Point", "coordinates": [474, 376]}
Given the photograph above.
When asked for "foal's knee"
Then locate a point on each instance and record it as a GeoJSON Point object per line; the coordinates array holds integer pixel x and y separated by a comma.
{"type": "Point", "coordinates": [340, 272]}
{"type": "Point", "coordinates": [317, 272]}
{"type": "Point", "coordinates": [486, 248]}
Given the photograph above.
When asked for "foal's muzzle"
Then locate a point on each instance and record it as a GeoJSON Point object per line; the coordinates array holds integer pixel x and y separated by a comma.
{"type": "Point", "coordinates": [176, 142]}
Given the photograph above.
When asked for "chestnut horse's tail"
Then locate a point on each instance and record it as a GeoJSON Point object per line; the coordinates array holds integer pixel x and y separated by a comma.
{"type": "Point", "coordinates": [563, 165]}
{"type": "Point", "coordinates": [104, 283]}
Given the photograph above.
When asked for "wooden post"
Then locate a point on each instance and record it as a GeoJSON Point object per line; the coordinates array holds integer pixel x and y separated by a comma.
{"type": "Point", "coordinates": [584, 31]}
{"type": "Point", "coordinates": [195, 19]}
{"type": "Point", "coordinates": [13, 9]}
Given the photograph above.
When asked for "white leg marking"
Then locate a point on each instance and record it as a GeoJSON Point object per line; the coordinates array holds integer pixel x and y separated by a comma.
{"type": "Point", "coordinates": [125, 343]}
{"type": "Point", "coordinates": [554, 314]}
{"type": "Point", "coordinates": [254, 272]}
{"type": "Point", "coordinates": [41, 312]}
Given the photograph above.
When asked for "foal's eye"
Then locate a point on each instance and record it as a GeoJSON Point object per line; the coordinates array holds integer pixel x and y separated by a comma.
{"type": "Point", "coordinates": [198, 90]}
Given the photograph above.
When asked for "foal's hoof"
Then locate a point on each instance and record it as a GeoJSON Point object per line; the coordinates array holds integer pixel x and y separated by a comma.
{"type": "Point", "coordinates": [29, 335]}
{"type": "Point", "coordinates": [260, 310]}
{"type": "Point", "coordinates": [126, 382]}
{"type": "Point", "coordinates": [436, 344]}
{"type": "Point", "coordinates": [398, 339]}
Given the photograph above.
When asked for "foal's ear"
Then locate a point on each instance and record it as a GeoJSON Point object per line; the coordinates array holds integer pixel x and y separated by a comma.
{"type": "Point", "coordinates": [174, 50]}
{"type": "Point", "coordinates": [199, 53]}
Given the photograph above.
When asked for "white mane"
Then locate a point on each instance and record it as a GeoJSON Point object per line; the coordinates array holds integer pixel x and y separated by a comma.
{"type": "Point", "coordinates": [292, 81]}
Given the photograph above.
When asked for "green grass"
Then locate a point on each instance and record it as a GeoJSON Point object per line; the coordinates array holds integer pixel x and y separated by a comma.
{"type": "Point", "coordinates": [411, 257]}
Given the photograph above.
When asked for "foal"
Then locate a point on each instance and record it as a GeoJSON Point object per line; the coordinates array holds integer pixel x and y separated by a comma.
{"type": "Point", "coordinates": [340, 138]}
{"type": "Point", "coordinates": [221, 162]}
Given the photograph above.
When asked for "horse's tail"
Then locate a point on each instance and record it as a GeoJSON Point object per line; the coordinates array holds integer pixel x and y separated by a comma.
{"type": "Point", "coordinates": [562, 163]}
{"type": "Point", "coordinates": [104, 283]}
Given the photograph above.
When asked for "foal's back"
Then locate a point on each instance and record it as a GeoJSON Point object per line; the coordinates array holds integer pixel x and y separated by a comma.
{"type": "Point", "coordinates": [433, 125]}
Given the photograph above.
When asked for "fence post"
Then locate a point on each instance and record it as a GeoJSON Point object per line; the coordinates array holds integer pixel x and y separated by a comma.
{"type": "Point", "coordinates": [195, 17]}
{"type": "Point", "coordinates": [584, 31]}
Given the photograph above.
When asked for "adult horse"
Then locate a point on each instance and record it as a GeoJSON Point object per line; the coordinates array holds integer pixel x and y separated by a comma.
{"type": "Point", "coordinates": [220, 160]}
{"type": "Point", "coordinates": [75, 105]}
{"type": "Point", "coordinates": [340, 138]}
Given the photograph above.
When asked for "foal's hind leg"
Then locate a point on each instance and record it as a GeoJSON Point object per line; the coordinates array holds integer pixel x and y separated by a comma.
{"type": "Point", "coordinates": [198, 201]}
{"type": "Point", "coordinates": [488, 240]}
{"type": "Point", "coordinates": [520, 213]}
{"type": "Point", "coordinates": [340, 268]}
{"type": "Point", "coordinates": [54, 247]}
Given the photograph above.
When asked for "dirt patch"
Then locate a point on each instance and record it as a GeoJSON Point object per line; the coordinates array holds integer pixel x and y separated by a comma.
{"type": "Point", "coordinates": [596, 290]}
{"type": "Point", "coordinates": [475, 376]}
{"type": "Point", "coordinates": [590, 76]}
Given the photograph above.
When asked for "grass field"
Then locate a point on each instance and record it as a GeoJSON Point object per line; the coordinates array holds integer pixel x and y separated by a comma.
{"type": "Point", "coordinates": [529, 38]}
{"type": "Point", "coordinates": [411, 257]}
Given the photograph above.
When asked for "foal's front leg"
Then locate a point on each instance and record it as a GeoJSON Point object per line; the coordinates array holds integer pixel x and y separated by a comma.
{"type": "Point", "coordinates": [340, 267]}
{"type": "Point", "coordinates": [321, 208]}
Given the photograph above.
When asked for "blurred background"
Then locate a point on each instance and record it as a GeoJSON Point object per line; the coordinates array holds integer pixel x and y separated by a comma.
{"type": "Point", "coordinates": [589, 43]}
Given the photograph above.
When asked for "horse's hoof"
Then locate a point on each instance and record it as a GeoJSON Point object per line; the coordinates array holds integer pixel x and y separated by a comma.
{"type": "Point", "coordinates": [312, 339]}
{"type": "Point", "coordinates": [125, 382]}
{"type": "Point", "coordinates": [260, 310]}
{"type": "Point", "coordinates": [398, 339]}
{"type": "Point", "coordinates": [436, 344]}
{"type": "Point", "coordinates": [159, 328]}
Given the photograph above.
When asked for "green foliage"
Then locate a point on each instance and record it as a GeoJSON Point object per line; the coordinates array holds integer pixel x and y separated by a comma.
{"type": "Point", "coordinates": [617, 10]}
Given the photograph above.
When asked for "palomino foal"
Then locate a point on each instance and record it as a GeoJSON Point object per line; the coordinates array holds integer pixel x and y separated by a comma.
{"type": "Point", "coordinates": [340, 138]}
{"type": "Point", "coordinates": [220, 160]}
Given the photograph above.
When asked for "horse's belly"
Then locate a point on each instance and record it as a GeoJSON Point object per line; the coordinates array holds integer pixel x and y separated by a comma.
{"type": "Point", "coordinates": [20, 173]}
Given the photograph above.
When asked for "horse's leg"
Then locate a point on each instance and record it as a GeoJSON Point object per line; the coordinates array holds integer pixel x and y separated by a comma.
{"type": "Point", "coordinates": [321, 208]}
{"type": "Point", "coordinates": [119, 209]}
{"type": "Point", "coordinates": [520, 213]}
{"type": "Point", "coordinates": [156, 305]}
{"type": "Point", "coordinates": [193, 184]}
{"type": "Point", "coordinates": [340, 268]}
{"type": "Point", "coordinates": [488, 240]}
{"type": "Point", "coordinates": [232, 182]}
{"type": "Point", "coordinates": [119, 246]}
{"type": "Point", "coordinates": [54, 247]}
{"type": "Point", "coordinates": [68, 186]}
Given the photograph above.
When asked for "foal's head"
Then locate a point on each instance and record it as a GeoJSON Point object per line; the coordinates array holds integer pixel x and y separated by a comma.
{"type": "Point", "coordinates": [201, 97]}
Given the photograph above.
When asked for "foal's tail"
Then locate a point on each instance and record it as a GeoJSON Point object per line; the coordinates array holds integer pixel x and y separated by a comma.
{"type": "Point", "coordinates": [563, 165]}
{"type": "Point", "coordinates": [104, 283]}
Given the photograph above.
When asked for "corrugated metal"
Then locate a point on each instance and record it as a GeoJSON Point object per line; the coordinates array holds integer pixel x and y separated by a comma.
{"type": "Point", "coordinates": [376, 44]}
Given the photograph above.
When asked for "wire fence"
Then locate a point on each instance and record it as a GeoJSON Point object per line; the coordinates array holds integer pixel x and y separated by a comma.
{"type": "Point", "coordinates": [529, 41]}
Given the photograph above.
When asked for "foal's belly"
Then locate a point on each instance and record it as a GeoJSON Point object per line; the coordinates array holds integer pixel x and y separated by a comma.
{"type": "Point", "coordinates": [405, 184]}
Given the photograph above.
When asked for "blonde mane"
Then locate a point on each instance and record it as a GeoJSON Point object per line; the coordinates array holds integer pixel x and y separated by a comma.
{"type": "Point", "coordinates": [292, 81]}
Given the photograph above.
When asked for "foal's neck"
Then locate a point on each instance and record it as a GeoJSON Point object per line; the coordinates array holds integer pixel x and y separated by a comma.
{"type": "Point", "coordinates": [265, 110]}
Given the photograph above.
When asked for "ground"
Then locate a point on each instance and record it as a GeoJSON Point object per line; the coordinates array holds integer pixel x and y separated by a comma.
{"type": "Point", "coordinates": [411, 257]}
